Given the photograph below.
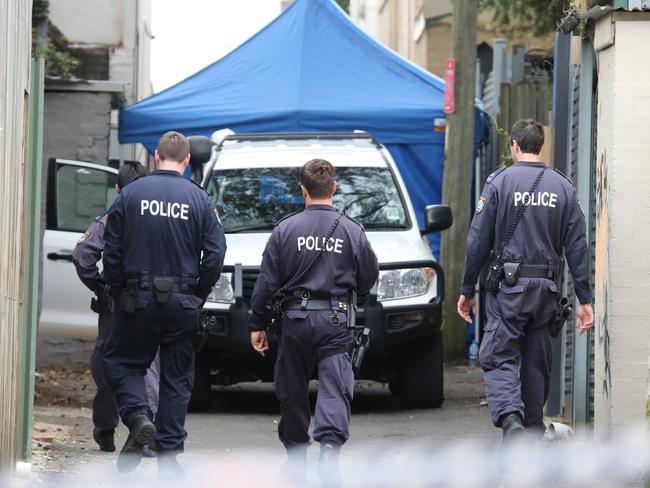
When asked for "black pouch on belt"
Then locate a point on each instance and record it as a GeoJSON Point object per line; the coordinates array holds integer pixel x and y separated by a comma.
{"type": "Point", "coordinates": [511, 273]}
{"type": "Point", "coordinates": [127, 296]}
{"type": "Point", "coordinates": [494, 275]}
{"type": "Point", "coordinates": [162, 289]}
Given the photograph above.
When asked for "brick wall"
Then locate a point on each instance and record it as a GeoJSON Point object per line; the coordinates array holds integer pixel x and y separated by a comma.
{"type": "Point", "coordinates": [623, 226]}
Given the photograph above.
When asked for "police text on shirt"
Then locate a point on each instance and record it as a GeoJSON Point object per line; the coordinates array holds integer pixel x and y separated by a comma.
{"type": "Point", "coordinates": [313, 243]}
{"type": "Point", "coordinates": [165, 209]}
{"type": "Point", "coordinates": [543, 199]}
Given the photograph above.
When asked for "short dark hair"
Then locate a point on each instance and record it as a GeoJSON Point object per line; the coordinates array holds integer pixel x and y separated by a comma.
{"type": "Point", "coordinates": [317, 176]}
{"type": "Point", "coordinates": [529, 134]}
{"type": "Point", "coordinates": [129, 171]}
{"type": "Point", "coordinates": [173, 146]}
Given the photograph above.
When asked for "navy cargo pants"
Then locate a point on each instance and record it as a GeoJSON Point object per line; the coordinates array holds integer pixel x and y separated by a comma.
{"type": "Point", "coordinates": [516, 351]}
{"type": "Point", "coordinates": [132, 347]}
{"type": "Point", "coordinates": [105, 416]}
{"type": "Point", "coordinates": [306, 337]}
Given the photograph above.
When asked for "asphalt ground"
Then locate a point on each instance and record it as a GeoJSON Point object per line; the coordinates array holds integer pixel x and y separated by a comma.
{"type": "Point", "coordinates": [236, 444]}
{"type": "Point", "coordinates": [246, 416]}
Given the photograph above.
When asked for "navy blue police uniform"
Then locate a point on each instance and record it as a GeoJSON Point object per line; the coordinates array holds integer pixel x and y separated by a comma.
{"type": "Point", "coordinates": [515, 352]}
{"type": "Point", "coordinates": [163, 254]}
{"type": "Point", "coordinates": [312, 337]}
{"type": "Point", "coordinates": [87, 253]}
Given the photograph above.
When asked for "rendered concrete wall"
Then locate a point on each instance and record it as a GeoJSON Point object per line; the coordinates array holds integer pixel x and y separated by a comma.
{"type": "Point", "coordinates": [393, 22]}
{"type": "Point", "coordinates": [622, 342]}
{"type": "Point", "coordinates": [76, 126]}
{"type": "Point", "coordinates": [102, 21]}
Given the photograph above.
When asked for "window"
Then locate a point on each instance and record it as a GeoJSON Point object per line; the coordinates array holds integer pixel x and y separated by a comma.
{"type": "Point", "coordinates": [82, 193]}
{"type": "Point", "coordinates": [253, 199]}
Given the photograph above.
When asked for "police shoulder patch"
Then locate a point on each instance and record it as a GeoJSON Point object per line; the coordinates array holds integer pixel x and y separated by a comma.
{"type": "Point", "coordinates": [490, 178]}
{"type": "Point", "coordinates": [564, 176]}
{"type": "Point", "coordinates": [480, 205]}
{"type": "Point", "coordinates": [84, 237]}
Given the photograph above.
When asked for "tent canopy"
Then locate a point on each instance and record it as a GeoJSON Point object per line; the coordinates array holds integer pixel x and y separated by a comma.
{"type": "Point", "coordinates": [311, 69]}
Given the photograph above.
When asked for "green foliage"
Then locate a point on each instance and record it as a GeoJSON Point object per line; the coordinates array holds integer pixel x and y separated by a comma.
{"type": "Point", "coordinates": [516, 17]}
{"type": "Point", "coordinates": [59, 63]}
{"type": "Point", "coordinates": [345, 5]}
{"type": "Point", "coordinates": [40, 11]}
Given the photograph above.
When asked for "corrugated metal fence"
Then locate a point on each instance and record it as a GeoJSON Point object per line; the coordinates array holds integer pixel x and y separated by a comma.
{"type": "Point", "coordinates": [15, 45]}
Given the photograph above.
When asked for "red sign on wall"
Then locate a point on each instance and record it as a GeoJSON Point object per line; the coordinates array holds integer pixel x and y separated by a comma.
{"type": "Point", "coordinates": [450, 78]}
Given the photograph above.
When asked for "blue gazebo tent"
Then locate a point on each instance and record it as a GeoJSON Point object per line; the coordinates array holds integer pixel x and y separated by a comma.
{"type": "Point", "coordinates": [311, 69]}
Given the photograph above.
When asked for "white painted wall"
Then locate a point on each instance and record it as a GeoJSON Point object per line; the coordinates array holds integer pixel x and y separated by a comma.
{"type": "Point", "coordinates": [622, 256]}
{"type": "Point", "coordinates": [90, 21]}
{"type": "Point", "coordinates": [393, 23]}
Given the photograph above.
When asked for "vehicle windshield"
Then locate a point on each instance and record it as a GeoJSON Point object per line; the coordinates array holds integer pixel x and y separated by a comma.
{"type": "Point", "coordinates": [253, 199]}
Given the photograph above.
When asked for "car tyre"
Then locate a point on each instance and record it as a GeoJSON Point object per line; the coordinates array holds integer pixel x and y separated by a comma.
{"type": "Point", "coordinates": [201, 399]}
{"type": "Point", "coordinates": [421, 384]}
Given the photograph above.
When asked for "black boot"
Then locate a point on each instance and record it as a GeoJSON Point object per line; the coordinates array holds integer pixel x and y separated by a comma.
{"type": "Point", "coordinates": [141, 433]}
{"type": "Point", "coordinates": [328, 468]}
{"type": "Point", "coordinates": [149, 451]}
{"type": "Point", "coordinates": [105, 439]}
{"type": "Point", "coordinates": [513, 427]}
{"type": "Point", "coordinates": [168, 467]}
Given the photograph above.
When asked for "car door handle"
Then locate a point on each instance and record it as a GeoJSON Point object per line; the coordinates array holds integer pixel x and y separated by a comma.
{"type": "Point", "coordinates": [54, 256]}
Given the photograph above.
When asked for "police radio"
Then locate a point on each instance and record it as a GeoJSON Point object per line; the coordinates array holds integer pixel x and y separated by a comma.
{"type": "Point", "coordinates": [494, 275]}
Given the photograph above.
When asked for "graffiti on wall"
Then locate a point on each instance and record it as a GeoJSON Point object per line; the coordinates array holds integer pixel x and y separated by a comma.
{"type": "Point", "coordinates": [602, 272]}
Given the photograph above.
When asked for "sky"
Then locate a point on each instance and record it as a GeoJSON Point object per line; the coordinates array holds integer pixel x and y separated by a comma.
{"type": "Point", "coordinates": [191, 34]}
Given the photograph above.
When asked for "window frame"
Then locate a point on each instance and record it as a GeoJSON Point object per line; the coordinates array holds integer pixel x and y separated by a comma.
{"type": "Point", "coordinates": [52, 200]}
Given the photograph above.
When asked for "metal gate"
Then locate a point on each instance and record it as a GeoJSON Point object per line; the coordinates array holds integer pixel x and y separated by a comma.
{"type": "Point", "coordinates": [578, 359]}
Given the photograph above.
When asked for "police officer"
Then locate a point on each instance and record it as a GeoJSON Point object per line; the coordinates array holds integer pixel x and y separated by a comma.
{"type": "Point", "coordinates": [516, 351]}
{"type": "Point", "coordinates": [164, 253]}
{"type": "Point", "coordinates": [85, 257]}
{"type": "Point", "coordinates": [315, 309]}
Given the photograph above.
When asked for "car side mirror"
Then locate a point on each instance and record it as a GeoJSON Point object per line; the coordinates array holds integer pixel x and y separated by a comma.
{"type": "Point", "coordinates": [200, 150]}
{"type": "Point", "coordinates": [436, 218]}
{"type": "Point", "coordinates": [200, 153]}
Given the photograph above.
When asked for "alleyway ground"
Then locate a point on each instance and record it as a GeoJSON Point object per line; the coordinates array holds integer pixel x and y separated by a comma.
{"type": "Point", "coordinates": [246, 415]}
{"type": "Point", "coordinates": [239, 434]}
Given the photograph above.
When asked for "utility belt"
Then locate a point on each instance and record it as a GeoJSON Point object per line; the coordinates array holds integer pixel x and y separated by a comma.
{"type": "Point", "coordinates": [162, 288]}
{"type": "Point", "coordinates": [306, 301]}
{"type": "Point", "coordinates": [510, 273]}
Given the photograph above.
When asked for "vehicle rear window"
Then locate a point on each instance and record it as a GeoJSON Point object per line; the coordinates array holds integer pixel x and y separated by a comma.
{"type": "Point", "coordinates": [253, 199]}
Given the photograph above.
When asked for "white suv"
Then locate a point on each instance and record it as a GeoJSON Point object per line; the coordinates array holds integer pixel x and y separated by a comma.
{"type": "Point", "coordinates": [76, 193]}
{"type": "Point", "coordinates": [254, 180]}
